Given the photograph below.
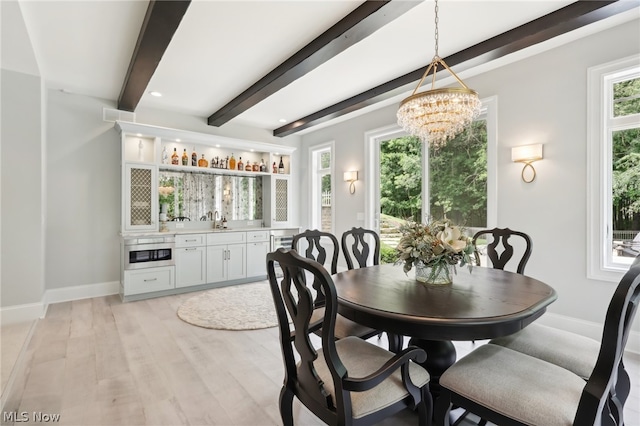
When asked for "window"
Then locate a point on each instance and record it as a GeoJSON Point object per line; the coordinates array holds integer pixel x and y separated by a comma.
{"type": "Point", "coordinates": [402, 174]}
{"type": "Point", "coordinates": [322, 211]}
{"type": "Point", "coordinates": [613, 155]}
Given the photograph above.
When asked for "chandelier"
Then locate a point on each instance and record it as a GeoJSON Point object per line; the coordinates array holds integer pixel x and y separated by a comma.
{"type": "Point", "coordinates": [437, 115]}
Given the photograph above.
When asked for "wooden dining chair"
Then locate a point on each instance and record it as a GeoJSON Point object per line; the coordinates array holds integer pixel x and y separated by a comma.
{"type": "Point", "coordinates": [508, 387]}
{"type": "Point", "coordinates": [355, 247]}
{"type": "Point", "coordinates": [501, 236]}
{"type": "Point", "coordinates": [344, 382]}
{"type": "Point", "coordinates": [181, 219]}
{"type": "Point", "coordinates": [565, 349]}
{"type": "Point", "coordinates": [317, 250]}
{"type": "Point", "coordinates": [360, 249]}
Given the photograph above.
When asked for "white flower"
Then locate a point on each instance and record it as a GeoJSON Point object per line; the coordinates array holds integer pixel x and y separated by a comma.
{"type": "Point", "coordinates": [165, 190]}
{"type": "Point", "coordinates": [450, 237]}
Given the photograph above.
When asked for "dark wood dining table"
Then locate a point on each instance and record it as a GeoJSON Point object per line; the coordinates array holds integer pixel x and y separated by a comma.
{"type": "Point", "coordinates": [481, 304]}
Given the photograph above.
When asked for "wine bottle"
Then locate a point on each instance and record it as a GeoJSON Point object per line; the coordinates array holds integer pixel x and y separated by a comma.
{"type": "Point", "coordinates": [175, 159]}
{"type": "Point", "coordinates": [281, 167]}
{"type": "Point", "coordinates": [185, 158]}
{"type": "Point", "coordinates": [165, 155]}
{"type": "Point", "coordinates": [275, 168]}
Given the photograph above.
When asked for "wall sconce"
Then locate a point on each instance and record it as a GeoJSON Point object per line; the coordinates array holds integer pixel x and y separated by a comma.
{"type": "Point", "coordinates": [527, 154]}
{"type": "Point", "coordinates": [351, 177]}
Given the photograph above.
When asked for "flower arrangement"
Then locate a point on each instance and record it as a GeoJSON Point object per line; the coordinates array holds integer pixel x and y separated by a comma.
{"type": "Point", "coordinates": [437, 245]}
{"type": "Point", "coordinates": [165, 191]}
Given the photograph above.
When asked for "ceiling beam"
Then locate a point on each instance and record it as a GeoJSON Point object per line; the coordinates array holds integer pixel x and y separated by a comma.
{"type": "Point", "coordinates": [160, 24]}
{"type": "Point", "coordinates": [556, 23]}
{"type": "Point", "coordinates": [366, 19]}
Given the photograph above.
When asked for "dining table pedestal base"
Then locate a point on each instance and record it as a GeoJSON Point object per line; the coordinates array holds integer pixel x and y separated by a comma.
{"type": "Point", "coordinates": [441, 354]}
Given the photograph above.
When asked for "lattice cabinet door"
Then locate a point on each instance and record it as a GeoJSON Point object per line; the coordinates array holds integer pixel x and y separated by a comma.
{"type": "Point", "coordinates": [281, 200]}
{"type": "Point", "coordinates": [141, 197]}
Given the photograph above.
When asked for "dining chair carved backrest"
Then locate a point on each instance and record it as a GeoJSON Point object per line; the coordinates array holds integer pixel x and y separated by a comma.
{"type": "Point", "coordinates": [345, 382]}
{"type": "Point", "coordinates": [315, 250]}
{"type": "Point", "coordinates": [501, 236]}
{"type": "Point", "coordinates": [181, 219]}
{"type": "Point", "coordinates": [360, 249]}
{"type": "Point", "coordinates": [508, 387]}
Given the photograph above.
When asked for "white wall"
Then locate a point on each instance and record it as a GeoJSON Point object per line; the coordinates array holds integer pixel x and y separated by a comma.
{"type": "Point", "coordinates": [21, 190]}
{"type": "Point", "coordinates": [83, 187]}
{"type": "Point", "coordinates": [540, 100]}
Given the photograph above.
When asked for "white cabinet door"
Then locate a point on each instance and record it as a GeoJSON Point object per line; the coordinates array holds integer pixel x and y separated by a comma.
{"type": "Point", "coordinates": [280, 200]}
{"type": "Point", "coordinates": [191, 266]}
{"type": "Point", "coordinates": [140, 197]}
{"type": "Point", "coordinates": [236, 261]}
{"type": "Point", "coordinates": [257, 259]}
{"type": "Point", "coordinates": [216, 263]}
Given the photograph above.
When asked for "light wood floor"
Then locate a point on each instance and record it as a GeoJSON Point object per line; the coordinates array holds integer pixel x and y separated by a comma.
{"type": "Point", "coordinates": [102, 362]}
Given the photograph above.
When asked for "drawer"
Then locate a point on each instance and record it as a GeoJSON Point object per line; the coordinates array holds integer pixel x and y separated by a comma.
{"type": "Point", "coordinates": [149, 280]}
{"type": "Point", "coordinates": [191, 240]}
{"type": "Point", "coordinates": [255, 236]}
{"type": "Point", "coordinates": [217, 238]}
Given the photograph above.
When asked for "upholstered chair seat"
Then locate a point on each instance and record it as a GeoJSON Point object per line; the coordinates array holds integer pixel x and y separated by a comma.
{"type": "Point", "coordinates": [568, 350]}
{"type": "Point", "coordinates": [344, 326]}
{"type": "Point", "coordinates": [362, 359]}
{"type": "Point", "coordinates": [553, 403]}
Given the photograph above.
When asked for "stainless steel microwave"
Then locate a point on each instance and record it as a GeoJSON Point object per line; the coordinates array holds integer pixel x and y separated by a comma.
{"type": "Point", "coordinates": [140, 253]}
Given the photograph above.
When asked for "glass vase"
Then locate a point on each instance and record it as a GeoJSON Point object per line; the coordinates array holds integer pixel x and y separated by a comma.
{"type": "Point", "coordinates": [440, 275]}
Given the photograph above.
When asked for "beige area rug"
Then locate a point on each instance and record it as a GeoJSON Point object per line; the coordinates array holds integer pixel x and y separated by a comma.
{"type": "Point", "coordinates": [237, 307]}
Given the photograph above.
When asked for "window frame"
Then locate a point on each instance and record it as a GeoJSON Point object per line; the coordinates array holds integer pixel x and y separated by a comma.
{"type": "Point", "coordinates": [373, 139]}
{"type": "Point", "coordinates": [315, 184]}
{"type": "Point", "coordinates": [600, 127]}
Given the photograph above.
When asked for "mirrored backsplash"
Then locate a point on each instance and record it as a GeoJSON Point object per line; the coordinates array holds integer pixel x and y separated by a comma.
{"type": "Point", "coordinates": [198, 196]}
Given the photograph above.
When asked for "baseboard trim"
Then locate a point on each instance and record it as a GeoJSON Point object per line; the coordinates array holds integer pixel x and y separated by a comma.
{"type": "Point", "coordinates": [586, 328]}
{"type": "Point", "coordinates": [32, 311]}
{"type": "Point", "coordinates": [67, 294]}
{"type": "Point", "coordinates": [22, 313]}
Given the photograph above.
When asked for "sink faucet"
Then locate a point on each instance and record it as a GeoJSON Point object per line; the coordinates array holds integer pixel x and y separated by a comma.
{"type": "Point", "coordinates": [216, 217]}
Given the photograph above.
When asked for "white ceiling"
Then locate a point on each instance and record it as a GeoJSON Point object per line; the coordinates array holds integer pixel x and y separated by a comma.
{"type": "Point", "coordinates": [223, 47]}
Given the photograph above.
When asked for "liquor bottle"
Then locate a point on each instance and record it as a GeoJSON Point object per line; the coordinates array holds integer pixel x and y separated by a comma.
{"type": "Point", "coordinates": [232, 162]}
{"type": "Point", "coordinates": [275, 168]}
{"type": "Point", "coordinates": [194, 157]}
{"type": "Point", "coordinates": [165, 155]}
{"type": "Point", "coordinates": [224, 222]}
{"type": "Point", "coordinates": [263, 168]}
{"type": "Point", "coordinates": [175, 159]}
{"type": "Point", "coordinates": [202, 162]}
{"type": "Point", "coordinates": [185, 158]}
{"type": "Point", "coordinates": [281, 167]}
{"type": "Point", "coordinates": [248, 168]}
{"type": "Point", "coordinates": [256, 168]}
{"type": "Point", "coordinates": [240, 164]}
